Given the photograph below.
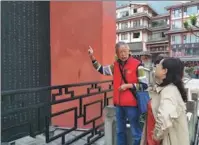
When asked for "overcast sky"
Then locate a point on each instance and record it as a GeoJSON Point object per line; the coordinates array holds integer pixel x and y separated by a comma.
{"type": "Point", "coordinates": [158, 6]}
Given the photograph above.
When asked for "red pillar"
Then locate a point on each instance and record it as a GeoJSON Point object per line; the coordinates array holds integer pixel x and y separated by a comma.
{"type": "Point", "coordinates": [75, 26]}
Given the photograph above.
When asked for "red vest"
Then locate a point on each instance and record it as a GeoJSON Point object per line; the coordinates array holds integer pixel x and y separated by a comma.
{"type": "Point", "coordinates": [125, 98]}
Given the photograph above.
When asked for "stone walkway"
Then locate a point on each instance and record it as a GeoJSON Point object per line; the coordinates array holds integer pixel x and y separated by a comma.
{"type": "Point", "coordinates": [40, 139]}
{"type": "Point", "coordinates": [70, 136]}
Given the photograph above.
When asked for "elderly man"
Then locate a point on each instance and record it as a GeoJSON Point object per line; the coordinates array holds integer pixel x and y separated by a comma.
{"type": "Point", "coordinates": [123, 98]}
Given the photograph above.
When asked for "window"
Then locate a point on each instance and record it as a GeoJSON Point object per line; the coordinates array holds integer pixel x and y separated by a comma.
{"type": "Point", "coordinates": [193, 38]}
{"type": "Point", "coordinates": [185, 10]}
{"type": "Point", "coordinates": [177, 24]}
{"type": "Point", "coordinates": [154, 23]}
{"type": "Point", "coordinates": [135, 10]}
{"type": "Point", "coordinates": [136, 35]}
{"type": "Point", "coordinates": [136, 23]}
{"type": "Point", "coordinates": [176, 39]}
{"type": "Point", "coordinates": [124, 13]}
{"type": "Point", "coordinates": [163, 35]}
{"type": "Point", "coordinates": [124, 36]}
{"type": "Point", "coordinates": [189, 51]}
{"type": "Point", "coordinates": [177, 13]}
{"type": "Point", "coordinates": [185, 39]}
{"type": "Point", "coordinates": [173, 38]}
{"type": "Point", "coordinates": [124, 25]}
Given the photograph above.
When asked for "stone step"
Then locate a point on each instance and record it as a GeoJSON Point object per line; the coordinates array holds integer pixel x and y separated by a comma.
{"type": "Point", "coordinates": [28, 140]}
{"type": "Point", "coordinates": [41, 139]}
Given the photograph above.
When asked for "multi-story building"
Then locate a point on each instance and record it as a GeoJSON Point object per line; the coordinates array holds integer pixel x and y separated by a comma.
{"type": "Point", "coordinates": [183, 43]}
{"type": "Point", "coordinates": [133, 25]}
{"type": "Point", "coordinates": [146, 31]}
{"type": "Point", "coordinates": [157, 40]}
{"type": "Point", "coordinates": [142, 28]}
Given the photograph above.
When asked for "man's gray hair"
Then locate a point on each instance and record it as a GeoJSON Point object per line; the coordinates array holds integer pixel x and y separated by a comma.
{"type": "Point", "coordinates": [119, 44]}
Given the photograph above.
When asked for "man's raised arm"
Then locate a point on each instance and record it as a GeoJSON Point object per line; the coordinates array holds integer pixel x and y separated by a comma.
{"type": "Point", "coordinates": [105, 70]}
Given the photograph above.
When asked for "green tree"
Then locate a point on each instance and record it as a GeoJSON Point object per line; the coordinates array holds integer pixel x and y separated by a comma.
{"type": "Point", "coordinates": [191, 24]}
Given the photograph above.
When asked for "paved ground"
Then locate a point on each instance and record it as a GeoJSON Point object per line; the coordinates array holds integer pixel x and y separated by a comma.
{"type": "Point", "coordinates": [70, 136]}
{"type": "Point", "coordinates": [40, 139]}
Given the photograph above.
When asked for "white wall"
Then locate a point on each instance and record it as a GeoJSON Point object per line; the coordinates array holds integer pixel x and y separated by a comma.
{"type": "Point", "coordinates": [141, 9]}
{"type": "Point", "coordinates": [168, 21]}
{"type": "Point", "coordinates": [145, 37]}
{"type": "Point", "coordinates": [144, 46]}
{"type": "Point", "coordinates": [145, 22]}
{"type": "Point", "coordinates": [120, 26]}
{"type": "Point", "coordinates": [129, 24]}
{"type": "Point", "coordinates": [119, 38]}
{"type": "Point", "coordinates": [141, 22]}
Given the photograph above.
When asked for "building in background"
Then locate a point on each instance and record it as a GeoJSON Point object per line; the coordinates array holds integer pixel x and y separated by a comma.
{"type": "Point", "coordinates": [157, 40]}
{"type": "Point", "coordinates": [183, 43]}
{"type": "Point", "coordinates": [147, 32]}
{"type": "Point", "coordinates": [133, 25]}
{"type": "Point", "coordinates": [142, 28]}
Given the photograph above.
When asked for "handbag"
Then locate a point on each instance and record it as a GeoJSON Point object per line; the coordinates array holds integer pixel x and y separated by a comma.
{"type": "Point", "coordinates": [140, 95]}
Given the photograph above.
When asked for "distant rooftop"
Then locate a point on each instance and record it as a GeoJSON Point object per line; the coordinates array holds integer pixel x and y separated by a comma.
{"type": "Point", "coordinates": [158, 6]}
{"type": "Point", "coordinates": [133, 3]}
{"type": "Point", "coordinates": [185, 3]}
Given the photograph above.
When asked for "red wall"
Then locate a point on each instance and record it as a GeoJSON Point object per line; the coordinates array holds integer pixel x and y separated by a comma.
{"type": "Point", "coordinates": [75, 26]}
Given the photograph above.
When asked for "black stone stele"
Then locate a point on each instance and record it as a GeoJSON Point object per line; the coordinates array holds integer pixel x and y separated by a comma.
{"type": "Point", "coordinates": [25, 62]}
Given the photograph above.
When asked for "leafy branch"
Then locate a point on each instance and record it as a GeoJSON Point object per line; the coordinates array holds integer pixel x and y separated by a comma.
{"type": "Point", "coordinates": [193, 24]}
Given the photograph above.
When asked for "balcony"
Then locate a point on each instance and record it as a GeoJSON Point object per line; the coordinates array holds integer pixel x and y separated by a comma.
{"type": "Point", "coordinates": [159, 27]}
{"type": "Point", "coordinates": [136, 46]}
{"type": "Point", "coordinates": [188, 45]}
{"type": "Point", "coordinates": [154, 39]}
{"type": "Point", "coordinates": [179, 30]}
{"type": "Point", "coordinates": [142, 14]}
{"type": "Point", "coordinates": [132, 28]}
